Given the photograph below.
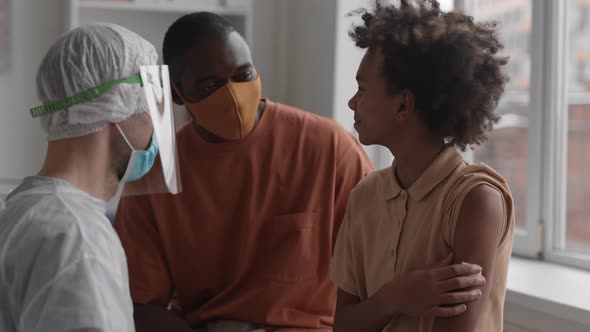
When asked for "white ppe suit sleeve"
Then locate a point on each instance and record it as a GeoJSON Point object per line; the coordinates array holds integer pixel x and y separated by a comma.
{"type": "Point", "coordinates": [85, 295]}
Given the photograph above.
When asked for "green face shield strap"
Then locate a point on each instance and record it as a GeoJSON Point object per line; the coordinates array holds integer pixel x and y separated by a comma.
{"type": "Point", "coordinates": [53, 106]}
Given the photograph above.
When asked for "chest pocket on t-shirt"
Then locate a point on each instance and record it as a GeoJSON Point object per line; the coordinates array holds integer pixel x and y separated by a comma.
{"type": "Point", "coordinates": [290, 243]}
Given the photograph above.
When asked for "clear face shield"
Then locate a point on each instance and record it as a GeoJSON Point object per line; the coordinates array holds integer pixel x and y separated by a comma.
{"type": "Point", "coordinates": [153, 169]}
{"type": "Point", "coordinates": [164, 175]}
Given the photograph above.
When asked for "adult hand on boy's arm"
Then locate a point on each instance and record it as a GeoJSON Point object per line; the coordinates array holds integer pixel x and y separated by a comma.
{"type": "Point", "coordinates": [476, 240]}
{"type": "Point", "coordinates": [417, 293]}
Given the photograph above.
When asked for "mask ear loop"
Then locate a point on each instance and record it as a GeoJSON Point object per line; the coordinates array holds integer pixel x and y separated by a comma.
{"type": "Point", "coordinates": [124, 137]}
{"type": "Point", "coordinates": [173, 85]}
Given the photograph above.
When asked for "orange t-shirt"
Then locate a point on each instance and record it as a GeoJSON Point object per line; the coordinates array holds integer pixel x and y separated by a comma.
{"type": "Point", "coordinates": [251, 236]}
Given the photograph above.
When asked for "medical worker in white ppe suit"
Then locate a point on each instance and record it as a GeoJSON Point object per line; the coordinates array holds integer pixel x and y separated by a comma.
{"type": "Point", "coordinates": [62, 267]}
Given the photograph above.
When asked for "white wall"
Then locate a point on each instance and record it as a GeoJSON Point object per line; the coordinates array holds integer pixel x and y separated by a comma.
{"type": "Point", "coordinates": [310, 55]}
{"type": "Point", "coordinates": [266, 46]}
{"type": "Point", "coordinates": [306, 58]}
{"type": "Point", "coordinates": [348, 57]}
{"type": "Point", "coordinates": [35, 25]}
{"type": "Point", "coordinates": [293, 45]}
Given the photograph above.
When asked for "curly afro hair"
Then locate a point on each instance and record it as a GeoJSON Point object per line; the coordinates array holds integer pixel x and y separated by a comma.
{"type": "Point", "coordinates": [449, 62]}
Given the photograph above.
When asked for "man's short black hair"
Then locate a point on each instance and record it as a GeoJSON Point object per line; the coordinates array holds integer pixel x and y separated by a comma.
{"type": "Point", "coordinates": [188, 31]}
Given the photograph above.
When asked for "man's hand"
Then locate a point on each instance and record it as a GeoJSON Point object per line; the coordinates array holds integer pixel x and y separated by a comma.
{"type": "Point", "coordinates": [437, 292]}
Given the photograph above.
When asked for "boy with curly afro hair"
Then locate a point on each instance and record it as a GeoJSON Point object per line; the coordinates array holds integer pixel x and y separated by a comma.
{"type": "Point", "coordinates": [428, 86]}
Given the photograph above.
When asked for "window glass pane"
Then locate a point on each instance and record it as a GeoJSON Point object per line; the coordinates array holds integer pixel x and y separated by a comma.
{"type": "Point", "coordinates": [578, 168]}
{"type": "Point", "coordinates": [506, 149]}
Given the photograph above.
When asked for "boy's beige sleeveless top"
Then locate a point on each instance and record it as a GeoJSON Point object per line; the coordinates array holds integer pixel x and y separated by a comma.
{"type": "Point", "coordinates": [388, 231]}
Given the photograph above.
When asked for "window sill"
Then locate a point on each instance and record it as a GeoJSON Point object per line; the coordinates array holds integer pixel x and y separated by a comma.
{"type": "Point", "coordinates": [550, 289]}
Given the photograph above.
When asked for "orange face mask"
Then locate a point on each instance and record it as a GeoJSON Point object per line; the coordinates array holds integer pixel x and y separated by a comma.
{"type": "Point", "coordinates": [230, 111]}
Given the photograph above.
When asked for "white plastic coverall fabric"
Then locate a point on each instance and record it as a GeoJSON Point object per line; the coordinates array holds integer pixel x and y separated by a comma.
{"type": "Point", "coordinates": [87, 57]}
{"type": "Point", "coordinates": [62, 265]}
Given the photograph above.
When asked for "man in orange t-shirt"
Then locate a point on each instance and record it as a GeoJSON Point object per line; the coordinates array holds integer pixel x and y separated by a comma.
{"type": "Point", "coordinates": [248, 243]}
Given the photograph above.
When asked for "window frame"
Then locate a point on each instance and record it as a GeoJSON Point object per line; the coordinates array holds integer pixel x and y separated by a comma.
{"type": "Point", "coordinates": [544, 234]}
{"type": "Point", "coordinates": [556, 126]}
{"type": "Point", "coordinates": [527, 240]}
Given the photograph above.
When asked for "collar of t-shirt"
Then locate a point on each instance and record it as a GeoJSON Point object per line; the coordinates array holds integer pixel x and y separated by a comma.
{"type": "Point", "coordinates": [440, 168]}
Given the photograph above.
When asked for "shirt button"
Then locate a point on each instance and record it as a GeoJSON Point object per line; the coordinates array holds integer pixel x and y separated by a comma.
{"type": "Point", "coordinates": [404, 195]}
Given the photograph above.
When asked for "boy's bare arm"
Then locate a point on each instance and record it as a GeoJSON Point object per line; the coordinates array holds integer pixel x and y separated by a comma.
{"type": "Point", "coordinates": [477, 236]}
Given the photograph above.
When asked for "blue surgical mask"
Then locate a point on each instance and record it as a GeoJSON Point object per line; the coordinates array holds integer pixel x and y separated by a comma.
{"type": "Point", "coordinates": [141, 161]}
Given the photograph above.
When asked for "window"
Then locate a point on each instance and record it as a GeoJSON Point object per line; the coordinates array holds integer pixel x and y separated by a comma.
{"type": "Point", "coordinates": [577, 226]}
{"type": "Point", "coordinates": [506, 150]}
{"type": "Point", "coordinates": [542, 143]}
